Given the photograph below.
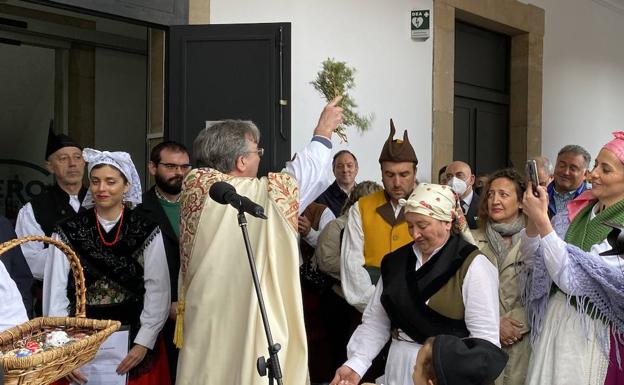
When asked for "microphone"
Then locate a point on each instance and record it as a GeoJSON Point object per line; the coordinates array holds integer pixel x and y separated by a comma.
{"type": "Point", "coordinates": [225, 193]}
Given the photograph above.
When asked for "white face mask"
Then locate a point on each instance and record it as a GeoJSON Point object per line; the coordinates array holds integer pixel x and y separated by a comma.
{"type": "Point", "coordinates": [458, 185]}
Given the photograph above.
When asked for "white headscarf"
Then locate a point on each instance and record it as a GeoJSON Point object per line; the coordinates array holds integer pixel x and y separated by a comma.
{"type": "Point", "coordinates": [121, 161]}
{"type": "Point", "coordinates": [439, 202]}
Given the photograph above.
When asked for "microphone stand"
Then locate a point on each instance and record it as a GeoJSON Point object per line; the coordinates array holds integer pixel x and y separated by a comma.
{"type": "Point", "coordinates": [272, 365]}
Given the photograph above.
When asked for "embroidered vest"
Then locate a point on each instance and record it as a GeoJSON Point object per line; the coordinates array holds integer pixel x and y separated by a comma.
{"type": "Point", "coordinates": [113, 274]}
{"type": "Point", "coordinates": [382, 232]}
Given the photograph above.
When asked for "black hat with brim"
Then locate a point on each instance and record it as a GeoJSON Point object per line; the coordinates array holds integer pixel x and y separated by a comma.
{"type": "Point", "coordinates": [56, 142]}
{"type": "Point", "coordinates": [467, 361]}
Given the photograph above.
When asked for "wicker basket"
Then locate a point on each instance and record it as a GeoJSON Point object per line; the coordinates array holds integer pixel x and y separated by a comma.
{"type": "Point", "coordinates": [46, 367]}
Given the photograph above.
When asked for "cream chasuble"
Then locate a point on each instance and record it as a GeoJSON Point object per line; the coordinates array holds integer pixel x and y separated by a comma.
{"type": "Point", "coordinates": [222, 329]}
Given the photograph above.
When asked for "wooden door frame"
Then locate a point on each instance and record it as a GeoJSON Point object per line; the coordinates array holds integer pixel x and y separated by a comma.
{"type": "Point", "coordinates": [525, 24]}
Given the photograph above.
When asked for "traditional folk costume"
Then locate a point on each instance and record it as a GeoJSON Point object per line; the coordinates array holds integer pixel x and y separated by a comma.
{"type": "Point", "coordinates": [125, 270]}
{"type": "Point", "coordinates": [223, 333]}
{"type": "Point", "coordinates": [507, 257]}
{"type": "Point", "coordinates": [572, 322]}
{"type": "Point", "coordinates": [575, 296]}
{"type": "Point", "coordinates": [12, 311]}
{"type": "Point", "coordinates": [40, 215]}
{"type": "Point", "coordinates": [454, 292]}
{"type": "Point", "coordinates": [374, 228]}
{"type": "Point", "coordinates": [16, 265]}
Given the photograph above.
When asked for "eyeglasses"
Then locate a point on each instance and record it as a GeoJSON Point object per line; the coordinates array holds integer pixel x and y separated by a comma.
{"type": "Point", "coordinates": [173, 166]}
{"type": "Point", "coordinates": [259, 151]}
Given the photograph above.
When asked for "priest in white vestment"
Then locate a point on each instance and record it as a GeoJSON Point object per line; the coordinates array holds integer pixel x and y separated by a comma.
{"type": "Point", "coordinates": [219, 324]}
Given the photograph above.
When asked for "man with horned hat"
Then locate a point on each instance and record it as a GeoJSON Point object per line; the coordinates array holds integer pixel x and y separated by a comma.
{"type": "Point", "coordinates": [376, 224]}
{"type": "Point", "coordinates": [60, 201]}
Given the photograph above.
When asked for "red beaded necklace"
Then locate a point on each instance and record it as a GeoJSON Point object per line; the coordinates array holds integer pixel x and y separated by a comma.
{"type": "Point", "coordinates": [99, 229]}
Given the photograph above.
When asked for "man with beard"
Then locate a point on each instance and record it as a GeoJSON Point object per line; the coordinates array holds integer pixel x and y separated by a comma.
{"type": "Point", "coordinates": [169, 163]}
{"type": "Point", "coordinates": [376, 224]}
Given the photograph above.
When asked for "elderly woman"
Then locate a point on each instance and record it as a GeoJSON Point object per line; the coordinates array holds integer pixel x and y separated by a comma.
{"type": "Point", "coordinates": [437, 284]}
{"type": "Point", "coordinates": [498, 237]}
{"type": "Point", "coordinates": [124, 263]}
{"type": "Point", "coordinates": [576, 291]}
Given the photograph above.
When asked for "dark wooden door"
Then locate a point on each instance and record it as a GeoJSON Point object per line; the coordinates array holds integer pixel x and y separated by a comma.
{"type": "Point", "coordinates": [231, 71]}
{"type": "Point", "coordinates": [481, 114]}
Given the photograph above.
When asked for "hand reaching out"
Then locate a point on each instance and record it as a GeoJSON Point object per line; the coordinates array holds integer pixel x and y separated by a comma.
{"type": "Point", "coordinates": [304, 225]}
{"type": "Point", "coordinates": [345, 376]}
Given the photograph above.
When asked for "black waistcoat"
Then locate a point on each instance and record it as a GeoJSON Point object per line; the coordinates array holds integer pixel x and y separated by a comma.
{"type": "Point", "coordinates": [406, 290]}
{"type": "Point", "coordinates": [334, 198]}
{"type": "Point", "coordinates": [52, 206]}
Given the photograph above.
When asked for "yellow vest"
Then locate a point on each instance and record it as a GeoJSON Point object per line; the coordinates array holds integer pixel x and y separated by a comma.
{"type": "Point", "coordinates": [382, 232]}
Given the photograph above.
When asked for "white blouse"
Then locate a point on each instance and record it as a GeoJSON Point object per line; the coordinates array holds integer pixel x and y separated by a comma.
{"type": "Point", "coordinates": [12, 311]}
{"type": "Point", "coordinates": [556, 257]}
{"type": "Point", "coordinates": [35, 252]}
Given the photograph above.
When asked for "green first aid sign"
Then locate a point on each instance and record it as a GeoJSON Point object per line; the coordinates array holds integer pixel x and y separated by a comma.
{"type": "Point", "coordinates": [420, 24]}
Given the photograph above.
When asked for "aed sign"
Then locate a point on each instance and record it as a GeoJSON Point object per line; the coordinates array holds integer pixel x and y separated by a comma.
{"type": "Point", "coordinates": [420, 24]}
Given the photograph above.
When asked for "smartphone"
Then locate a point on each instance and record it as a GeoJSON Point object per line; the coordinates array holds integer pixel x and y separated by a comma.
{"type": "Point", "coordinates": [531, 170]}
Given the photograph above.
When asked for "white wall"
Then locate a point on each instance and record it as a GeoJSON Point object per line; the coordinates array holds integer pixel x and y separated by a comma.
{"type": "Point", "coordinates": [583, 89]}
{"type": "Point", "coordinates": [394, 72]}
{"type": "Point", "coordinates": [583, 94]}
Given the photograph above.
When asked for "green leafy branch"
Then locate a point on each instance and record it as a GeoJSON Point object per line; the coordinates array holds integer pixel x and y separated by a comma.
{"type": "Point", "coordinates": [336, 78]}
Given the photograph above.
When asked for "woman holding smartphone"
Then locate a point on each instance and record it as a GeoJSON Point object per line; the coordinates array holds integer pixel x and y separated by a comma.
{"type": "Point", "coordinates": [576, 291]}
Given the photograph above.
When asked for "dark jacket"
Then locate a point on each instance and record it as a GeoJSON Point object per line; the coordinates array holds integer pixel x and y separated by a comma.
{"type": "Point", "coordinates": [334, 198]}
{"type": "Point", "coordinates": [152, 209]}
{"type": "Point", "coordinates": [472, 215]}
{"type": "Point", "coordinates": [16, 265]}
